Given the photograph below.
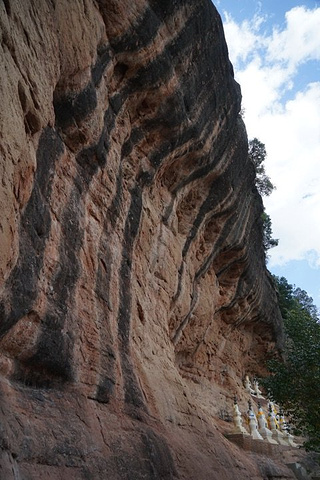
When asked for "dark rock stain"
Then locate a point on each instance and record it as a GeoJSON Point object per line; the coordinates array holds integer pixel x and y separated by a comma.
{"type": "Point", "coordinates": [54, 347]}
{"type": "Point", "coordinates": [139, 35]}
{"type": "Point", "coordinates": [22, 285]}
{"type": "Point", "coordinates": [91, 158]}
{"type": "Point", "coordinates": [133, 394]}
{"type": "Point", "coordinates": [105, 389]}
{"type": "Point", "coordinates": [103, 60]}
{"type": "Point", "coordinates": [159, 456]}
{"type": "Point", "coordinates": [107, 374]}
{"type": "Point", "coordinates": [74, 107]}
{"type": "Point", "coordinates": [136, 135]}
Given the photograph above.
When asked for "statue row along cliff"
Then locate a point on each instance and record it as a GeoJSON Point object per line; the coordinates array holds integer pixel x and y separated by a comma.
{"type": "Point", "coordinates": [271, 427]}
{"type": "Point", "coordinates": [133, 287]}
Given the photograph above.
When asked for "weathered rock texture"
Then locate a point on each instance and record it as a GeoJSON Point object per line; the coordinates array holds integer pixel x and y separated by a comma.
{"type": "Point", "coordinates": [134, 294]}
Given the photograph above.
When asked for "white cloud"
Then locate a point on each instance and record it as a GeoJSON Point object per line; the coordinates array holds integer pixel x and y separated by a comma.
{"type": "Point", "coordinates": [262, 87]}
{"type": "Point", "coordinates": [266, 67]}
{"type": "Point", "coordinates": [245, 37]}
{"type": "Point", "coordinates": [313, 260]}
{"type": "Point", "coordinates": [300, 41]}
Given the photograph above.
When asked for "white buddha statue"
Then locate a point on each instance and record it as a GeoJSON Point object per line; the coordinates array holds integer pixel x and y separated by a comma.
{"type": "Point", "coordinates": [238, 428]}
{"type": "Point", "coordinates": [263, 426]}
{"type": "Point", "coordinates": [256, 388]}
{"type": "Point", "coordinates": [277, 435]}
{"type": "Point", "coordinates": [288, 438]}
{"type": "Point", "coordinates": [253, 424]}
{"type": "Point", "coordinates": [248, 386]}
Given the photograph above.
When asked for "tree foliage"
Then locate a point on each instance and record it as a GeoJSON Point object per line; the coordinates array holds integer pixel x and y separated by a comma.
{"type": "Point", "coordinates": [268, 241]}
{"type": "Point", "coordinates": [257, 154]}
{"type": "Point", "coordinates": [294, 383]}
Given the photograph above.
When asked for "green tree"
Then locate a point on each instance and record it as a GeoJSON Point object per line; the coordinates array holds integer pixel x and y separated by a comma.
{"type": "Point", "coordinates": [257, 154]}
{"type": "Point", "coordinates": [294, 382]}
{"type": "Point", "coordinates": [268, 241]}
{"type": "Point", "coordinates": [285, 295]}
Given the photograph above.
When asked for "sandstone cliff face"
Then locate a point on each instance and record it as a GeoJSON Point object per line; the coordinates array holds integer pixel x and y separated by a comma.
{"type": "Point", "coordinates": [133, 294]}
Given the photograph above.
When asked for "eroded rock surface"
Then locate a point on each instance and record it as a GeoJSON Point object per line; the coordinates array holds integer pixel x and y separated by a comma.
{"type": "Point", "coordinates": [133, 290]}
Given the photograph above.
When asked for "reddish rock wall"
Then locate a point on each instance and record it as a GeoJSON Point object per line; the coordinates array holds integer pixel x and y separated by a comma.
{"type": "Point", "coordinates": [133, 294]}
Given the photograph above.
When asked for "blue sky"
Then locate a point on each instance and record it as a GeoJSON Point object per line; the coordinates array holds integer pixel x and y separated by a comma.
{"type": "Point", "coordinates": [275, 50]}
{"type": "Point", "coordinates": [275, 9]}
